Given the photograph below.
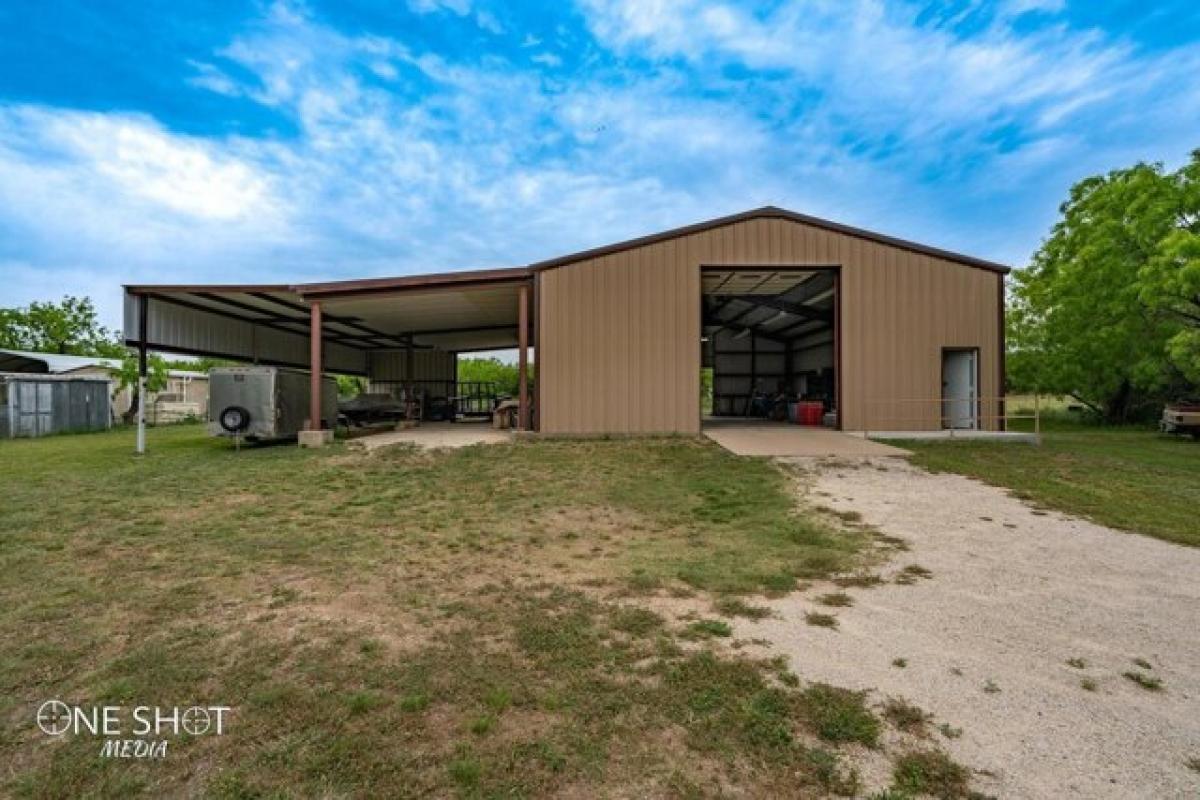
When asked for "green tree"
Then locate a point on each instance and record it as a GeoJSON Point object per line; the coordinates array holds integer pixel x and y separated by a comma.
{"type": "Point", "coordinates": [156, 379]}
{"type": "Point", "coordinates": [351, 385]}
{"type": "Point", "coordinates": [1101, 313]}
{"type": "Point", "coordinates": [1170, 282]}
{"type": "Point", "coordinates": [493, 370]}
{"type": "Point", "coordinates": [69, 326]}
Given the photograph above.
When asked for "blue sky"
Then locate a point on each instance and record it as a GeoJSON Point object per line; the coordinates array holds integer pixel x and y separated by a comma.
{"type": "Point", "coordinates": [204, 141]}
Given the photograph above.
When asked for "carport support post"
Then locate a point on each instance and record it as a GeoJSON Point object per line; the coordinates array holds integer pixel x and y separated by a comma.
{"type": "Point", "coordinates": [143, 308]}
{"type": "Point", "coordinates": [314, 435]}
{"type": "Point", "coordinates": [523, 358]}
{"type": "Point", "coordinates": [314, 376]}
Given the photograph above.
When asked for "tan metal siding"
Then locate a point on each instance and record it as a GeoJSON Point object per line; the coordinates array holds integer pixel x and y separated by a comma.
{"type": "Point", "coordinates": [620, 333]}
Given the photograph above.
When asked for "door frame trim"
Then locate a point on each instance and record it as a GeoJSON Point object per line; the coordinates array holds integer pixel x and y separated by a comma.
{"type": "Point", "coordinates": [978, 398]}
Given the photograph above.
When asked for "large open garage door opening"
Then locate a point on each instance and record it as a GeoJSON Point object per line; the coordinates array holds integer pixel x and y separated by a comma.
{"type": "Point", "coordinates": [770, 344]}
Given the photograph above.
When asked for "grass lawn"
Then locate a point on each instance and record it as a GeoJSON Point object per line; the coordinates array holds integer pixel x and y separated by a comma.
{"type": "Point", "coordinates": [1128, 478]}
{"type": "Point", "coordinates": [487, 622]}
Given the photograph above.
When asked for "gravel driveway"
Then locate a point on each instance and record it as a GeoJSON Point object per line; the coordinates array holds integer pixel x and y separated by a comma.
{"type": "Point", "coordinates": [1014, 594]}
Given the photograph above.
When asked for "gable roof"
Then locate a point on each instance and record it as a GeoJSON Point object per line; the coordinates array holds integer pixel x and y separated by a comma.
{"type": "Point", "coordinates": [772, 212]}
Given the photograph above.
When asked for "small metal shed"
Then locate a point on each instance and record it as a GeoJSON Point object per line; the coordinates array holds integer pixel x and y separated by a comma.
{"type": "Point", "coordinates": [38, 404]}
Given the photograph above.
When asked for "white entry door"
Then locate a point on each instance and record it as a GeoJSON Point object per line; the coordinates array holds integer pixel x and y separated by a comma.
{"type": "Point", "coordinates": [960, 395]}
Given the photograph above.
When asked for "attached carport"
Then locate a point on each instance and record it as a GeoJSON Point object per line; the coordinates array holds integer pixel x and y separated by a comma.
{"type": "Point", "coordinates": [405, 326]}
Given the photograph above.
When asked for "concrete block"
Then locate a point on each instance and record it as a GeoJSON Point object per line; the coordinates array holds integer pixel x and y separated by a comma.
{"type": "Point", "coordinates": [315, 438]}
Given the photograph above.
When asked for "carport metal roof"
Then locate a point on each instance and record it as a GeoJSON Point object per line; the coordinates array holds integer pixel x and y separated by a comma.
{"type": "Point", "coordinates": [270, 323]}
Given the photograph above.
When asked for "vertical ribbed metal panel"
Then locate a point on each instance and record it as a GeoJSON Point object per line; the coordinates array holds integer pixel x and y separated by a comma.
{"type": "Point", "coordinates": [43, 406]}
{"type": "Point", "coordinates": [175, 327]}
{"type": "Point", "coordinates": [620, 333]}
{"type": "Point", "coordinates": [428, 365]}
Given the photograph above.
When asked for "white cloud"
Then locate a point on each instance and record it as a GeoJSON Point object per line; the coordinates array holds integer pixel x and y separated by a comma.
{"type": "Point", "coordinates": [210, 77]}
{"type": "Point", "coordinates": [547, 59]}
{"type": "Point", "coordinates": [460, 7]}
{"type": "Point", "coordinates": [875, 64]}
{"type": "Point", "coordinates": [1018, 7]}
{"type": "Point", "coordinates": [488, 22]}
{"type": "Point", "coordinates": [124, 160]}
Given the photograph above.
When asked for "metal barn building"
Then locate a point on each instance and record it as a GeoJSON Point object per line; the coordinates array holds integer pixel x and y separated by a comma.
{"type": "Point", "coordinates": [882, 333]}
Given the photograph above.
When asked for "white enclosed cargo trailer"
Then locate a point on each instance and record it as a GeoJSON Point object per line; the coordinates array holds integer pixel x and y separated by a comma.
{"type": "Point", "coordinates": [260, 403]}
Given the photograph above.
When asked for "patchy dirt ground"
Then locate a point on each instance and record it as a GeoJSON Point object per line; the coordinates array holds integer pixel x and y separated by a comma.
{"type": "Point", "coordinates": [984, 643]}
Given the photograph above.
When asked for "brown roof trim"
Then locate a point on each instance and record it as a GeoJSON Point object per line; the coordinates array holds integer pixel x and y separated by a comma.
{"type": "Point", "coordinates": [207, 287]}
{"type": "Point", "coordinates": [438, 280]}
{"type": "Point", "coordinates": [770, 212]}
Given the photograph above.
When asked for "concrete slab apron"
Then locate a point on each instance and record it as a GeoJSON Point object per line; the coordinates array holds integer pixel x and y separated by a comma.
{"type": "Point", "coordinates": [1014, 594]}
{"type": "Point", "coordinates": [430, 437]}
{"type": "Point", "coordinates": [777, 439]}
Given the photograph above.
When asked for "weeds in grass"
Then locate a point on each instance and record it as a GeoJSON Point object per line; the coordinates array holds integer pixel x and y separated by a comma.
{"type": "Point", "coordinates": [780, 582]}
{"type": "Point", "coordinates": [636, 621]}
{"type": "Point", "coordinates": [1088, 684]}
{"type": "Point", "coordinates": [892, 542]}
{"type": "Point", "coordinates": [498, 699]}
{"type": "Point", "coordinates": [991, 687]}
{"type": "Point", "coordinates": [725, 706]}
{"type": "Point", "coordinates": [858, 581]}
{"type": "Point", "coordinates": [706, 629]}
{"type": "Point", "coordinates": [905, 716]}
{"type": "Point", "coordinates": [642, 584]}
{"type": "Point", "coordinates": [900, 663]}
{"type": "Point", "coordinates": [361, 702]}
{"type": "Point", "coordinates": [839, 715]}
{"type": "Point", "coordinates": [836, 599]}
{"type": "Point", "coordinates": [414, 702]}
{"type": "Point", "coordinates": [820, 620]}
{"type": "Point", "coordinates": [465, 771]}
{"type": "Point", "coordinates": [1148, 682]}
{"type": "Point", "coordinates": [1077, 663]}
{"type": "Point", "coordinates": [483, 724]}
{"type": "Point", "coordinates": [1143, 663]}
{"type": "Point", "coordinates": [736, 607]}
{"type": "Point", "coordinates": [911, 574]}
{"type": "Point", "coordinates": [931, 772]}
{"type": "Point", "coordinates": [1193, 764]}
{"type": "Point", "coordinates": [949, 731]}
{"type": "Point", "coordinates": [282, 595]}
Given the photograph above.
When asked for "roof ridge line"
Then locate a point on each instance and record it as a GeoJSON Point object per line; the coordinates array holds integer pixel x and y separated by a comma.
{"type": "Point", "coordinates": [769, 211]}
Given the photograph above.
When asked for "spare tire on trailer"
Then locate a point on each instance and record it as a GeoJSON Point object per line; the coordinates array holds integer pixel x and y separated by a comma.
{"type": "Point", "coordinates": [234, 419]}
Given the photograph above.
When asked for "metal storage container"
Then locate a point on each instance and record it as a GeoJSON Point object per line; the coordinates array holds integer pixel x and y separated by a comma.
{"type": "Point", "coordinates": [264, 402]}
{"type": "Point", "coordinates": [38, 405]}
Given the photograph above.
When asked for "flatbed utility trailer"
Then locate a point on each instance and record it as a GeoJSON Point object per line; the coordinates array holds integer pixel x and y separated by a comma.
{"type": "Point", "coordinates": [1181, 417]}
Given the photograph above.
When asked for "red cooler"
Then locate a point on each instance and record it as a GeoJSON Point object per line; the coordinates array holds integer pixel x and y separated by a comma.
{"type": "Point", "coordinates": [810, 412]}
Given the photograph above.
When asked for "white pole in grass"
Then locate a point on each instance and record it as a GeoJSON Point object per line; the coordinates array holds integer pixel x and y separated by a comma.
{"type": "Point", "coordinates": [1037, 418]}
{"type": "Point", "coordinates": [143, 311]}
{"type": "Point", "coordinates": [141, 430]}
